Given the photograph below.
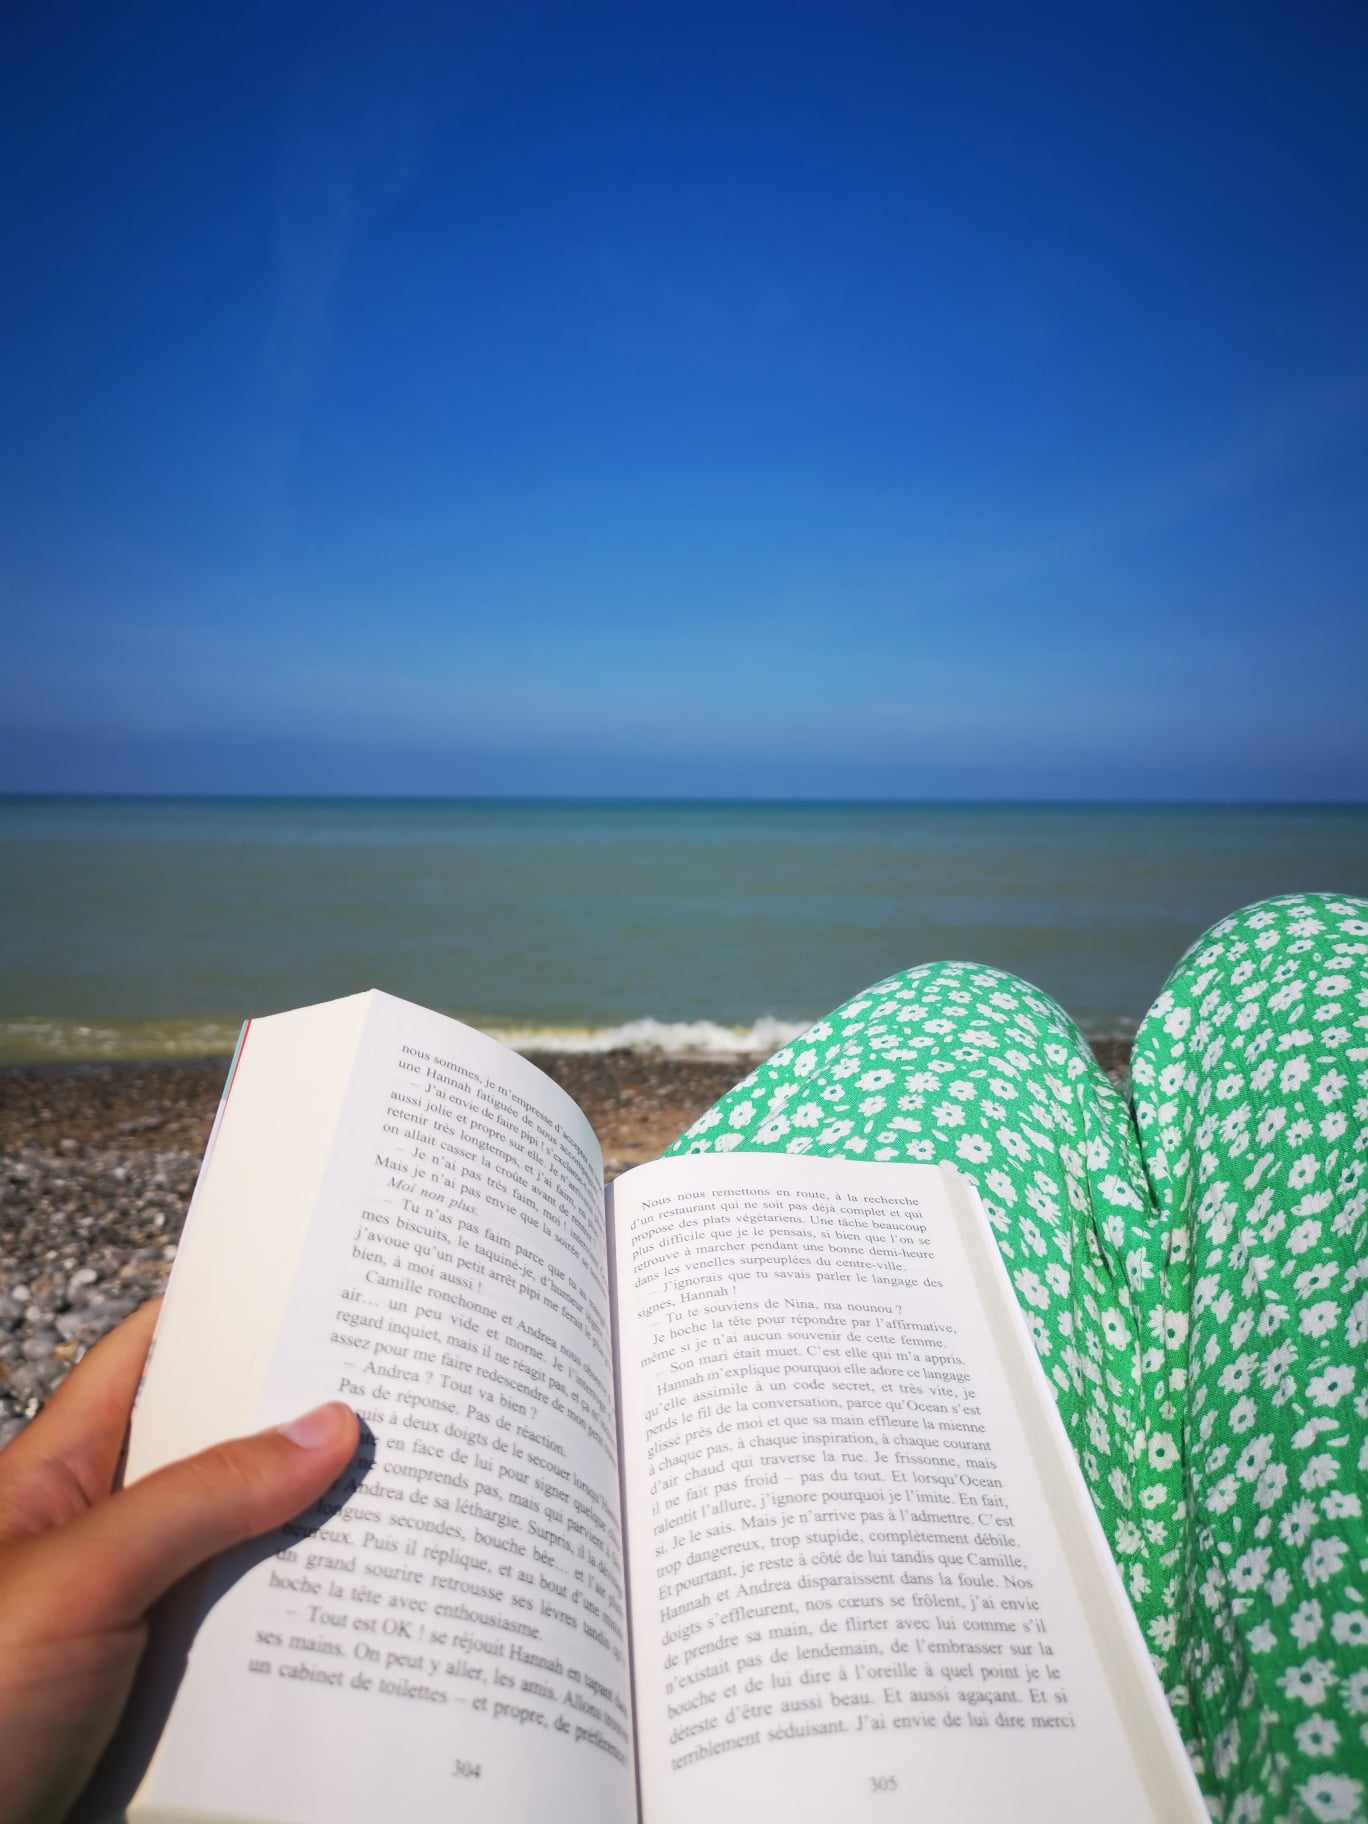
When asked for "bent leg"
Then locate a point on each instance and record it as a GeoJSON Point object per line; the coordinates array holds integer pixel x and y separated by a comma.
{"type": "Point", "coordinates": [953, 1062]}
{"type": "Point", "coordinates": [1250, 1082]}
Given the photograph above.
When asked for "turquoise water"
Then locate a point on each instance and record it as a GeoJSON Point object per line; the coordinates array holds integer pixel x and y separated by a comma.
{"type": "Point", "coordinates": [152, 926]}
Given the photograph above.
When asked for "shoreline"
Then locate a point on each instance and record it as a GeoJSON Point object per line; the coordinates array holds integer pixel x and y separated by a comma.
{"type": "Point", "coordinates": [98, 1161]}
{"type": "Point", "coordinates": [636, 1100]}
{"type": "Point", "coordinates": [29, 1042]}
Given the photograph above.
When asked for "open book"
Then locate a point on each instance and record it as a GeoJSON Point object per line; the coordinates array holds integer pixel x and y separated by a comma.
{"type": "Point", "coordinates": [739, 1487]}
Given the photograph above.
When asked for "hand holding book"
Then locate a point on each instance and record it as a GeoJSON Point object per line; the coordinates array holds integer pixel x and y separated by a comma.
{"type": "Point", "coordinates": [82, 1566]}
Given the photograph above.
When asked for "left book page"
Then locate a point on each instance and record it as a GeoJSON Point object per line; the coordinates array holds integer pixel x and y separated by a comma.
{"type": "Point", "coordinates": [401, 1213]}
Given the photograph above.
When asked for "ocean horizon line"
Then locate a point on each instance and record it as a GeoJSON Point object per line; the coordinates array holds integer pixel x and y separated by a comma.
{"type": "Point", "coordinates": [600, 801]}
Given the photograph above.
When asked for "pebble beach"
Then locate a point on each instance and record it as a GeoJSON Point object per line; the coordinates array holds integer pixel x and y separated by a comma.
{"type": "Point", "coordinates": [98, 1161]}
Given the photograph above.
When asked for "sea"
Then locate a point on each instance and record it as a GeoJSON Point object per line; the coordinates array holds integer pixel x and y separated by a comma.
{"type": "Point", "coordinates": [151, 927]}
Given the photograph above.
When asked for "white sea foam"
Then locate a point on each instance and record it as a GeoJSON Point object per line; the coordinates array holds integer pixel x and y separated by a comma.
{"type": "Point", "coordinates": [675, 1038]}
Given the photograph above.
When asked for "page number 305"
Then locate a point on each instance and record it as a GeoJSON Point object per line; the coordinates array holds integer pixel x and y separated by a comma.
{"type": "Point", "coordinates": [883, 1782]}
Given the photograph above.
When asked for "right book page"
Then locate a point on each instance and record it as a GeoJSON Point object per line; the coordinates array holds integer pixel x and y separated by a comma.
{"type": "Point", "coordinates": [863, 1565]}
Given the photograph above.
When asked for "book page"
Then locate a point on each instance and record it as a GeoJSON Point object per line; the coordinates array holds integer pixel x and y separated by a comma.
{"type": "Point", "coordinates": [864, 1569]}
{"type": "Point", "coordinates": [239, 1249]}
{"type": "Point", "coordinates": [445, 1633]}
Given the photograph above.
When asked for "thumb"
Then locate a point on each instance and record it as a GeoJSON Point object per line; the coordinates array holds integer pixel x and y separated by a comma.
{"type": "Point", "coordinates": [106, 1569]}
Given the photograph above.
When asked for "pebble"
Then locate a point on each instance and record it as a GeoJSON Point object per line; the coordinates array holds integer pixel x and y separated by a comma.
{"type": "Point", "coordinates": [86, 1236]}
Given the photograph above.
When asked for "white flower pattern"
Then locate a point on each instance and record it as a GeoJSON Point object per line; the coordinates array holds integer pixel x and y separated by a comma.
{"type": "Point", "coordinates": [1192, 1265]}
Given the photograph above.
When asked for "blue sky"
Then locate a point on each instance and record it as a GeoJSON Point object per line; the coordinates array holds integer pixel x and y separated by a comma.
{"type": "Point", "coordinates": [860, 400]}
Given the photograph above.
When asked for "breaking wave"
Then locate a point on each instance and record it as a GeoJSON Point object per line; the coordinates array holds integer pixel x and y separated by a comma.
{"type": "Point", "coordinates": [675, 1038]}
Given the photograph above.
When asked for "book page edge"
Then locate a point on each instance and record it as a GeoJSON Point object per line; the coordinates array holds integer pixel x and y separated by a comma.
{"type": "Point", "coordinates": [1137, 1695]}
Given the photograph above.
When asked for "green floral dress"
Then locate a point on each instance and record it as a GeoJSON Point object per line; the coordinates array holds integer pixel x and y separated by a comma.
{"type": "Point", "coordinates": [1192, 1265]}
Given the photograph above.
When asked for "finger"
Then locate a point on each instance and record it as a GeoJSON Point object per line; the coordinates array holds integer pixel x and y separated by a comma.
{"type": "Point", "coordinates": [107, 1568]}
{"type": "Point", "coordinates": [66, 1458]}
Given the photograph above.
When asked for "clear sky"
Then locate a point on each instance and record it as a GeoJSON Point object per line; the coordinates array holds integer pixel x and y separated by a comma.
{"type": "Point", "coordinates": [701, 399]}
